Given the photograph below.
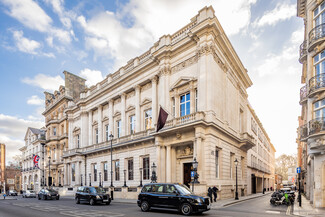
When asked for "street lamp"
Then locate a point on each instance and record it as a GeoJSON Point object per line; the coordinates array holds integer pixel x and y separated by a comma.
{"type": "Point", "coordinates": [100, 179]}
{"type": "Point", "coordinates": [236, 194]}
{"type": "Point", "coordinates": [89, 179]}
{"type": "Point", "coordinates": [196, 175]}
{"type": "Point", "coordinates": [263, 184]}
{"type": "Point", "coordinates": [112, 193]}
{"type": "Point", "coordinates": [124, 179]}
{"type": "Point", "coordinates": [50, 180]}
{"type": "Point", "coordinates": [43, 179]}
{"type": "Point", "coordinates": [153, 173]}
{"type": "Point", "coordinates": [140, 177]}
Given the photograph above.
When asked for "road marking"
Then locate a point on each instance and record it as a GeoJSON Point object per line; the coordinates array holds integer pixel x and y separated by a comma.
{"type": "Point", "coordinates": [288, 210]}
{"type": "Point", "coordinates": [86, 213]}
{"type": "Point", "coordinates": [273, 212]}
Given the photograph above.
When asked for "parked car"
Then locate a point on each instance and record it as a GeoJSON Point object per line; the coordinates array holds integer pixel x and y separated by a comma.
{"type": "Point", "coordinates": [12, 193]}
{"type": "Point", "coordinates": [47, 193]}
{"type": "Point", "coordinates": [172, 196]}
{"type": "Point", "coordinates": [92, 195]}
{"type": "Point", "coordinates": [29, 193]}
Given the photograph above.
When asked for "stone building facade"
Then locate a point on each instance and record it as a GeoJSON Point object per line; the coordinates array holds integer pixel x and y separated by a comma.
{"type": "Point", "coordinates": [312, 97]}
{"type": "Point", "coordinates": [260, 159]}
{"type": "Point", "coordinates": [32, 176]}
{"type": "Point", "coordinates": [57, 128]}
{"type": "Point", "coordinates": [196, 76]}
{"type": "Point", "coordinates": [13, 178]}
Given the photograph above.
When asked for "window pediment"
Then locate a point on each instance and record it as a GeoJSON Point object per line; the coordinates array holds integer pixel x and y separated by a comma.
{"type": "Point", "coordinates": [146, 101]}
{"type": "Point", "coordinates": [131, 107]}
{"type": "Point", "coordinates": [182, 81]}
{"type": "Point", "coordinates": [105, 119]}
{"type": "Point", "coordinates": [95, 123]}
{"type": "Point", "coordinates": [117, 114]}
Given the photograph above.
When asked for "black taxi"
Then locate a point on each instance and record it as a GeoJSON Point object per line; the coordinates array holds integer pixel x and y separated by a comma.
{"type": "Point", "coordinates": [172, 196]}
{"type": "Point", "coordinates": [92, 195]}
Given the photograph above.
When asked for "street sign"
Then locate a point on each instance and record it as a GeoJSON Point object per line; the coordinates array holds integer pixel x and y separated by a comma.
{"type": "Point", "coordinates": [298, 170]}
{"type": "Point", "coordinates": [192, 174]}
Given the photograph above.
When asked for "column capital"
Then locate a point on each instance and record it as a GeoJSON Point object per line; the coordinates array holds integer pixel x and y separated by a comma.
{"type": "Point", "coordinates": [137, 87]}
{"type": "Point", "coordinates": [123, 95]}
{"type": "Point", "coordinates": [154, 79]}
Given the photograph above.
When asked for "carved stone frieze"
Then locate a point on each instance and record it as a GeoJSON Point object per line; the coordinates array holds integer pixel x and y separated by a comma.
{"type": "Point", "coordinates": [211, 49]}
{"type": "Point", "coordinates": [146, 87]}
{"type": "Point", "coordinates": [164, 70]}
{"type": "Point", "coordinates": [131, 94]}
{"type": "Point", "coordinates": [186, 63]}
{"type": "Point", "coordinates": [184, 151]}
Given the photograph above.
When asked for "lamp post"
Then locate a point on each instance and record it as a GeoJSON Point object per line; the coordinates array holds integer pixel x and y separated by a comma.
{"type": "Point", "coordinates": [112, 192]}
{"type": "Point", "coordinates": [140, 169]}
{"type": "Point", "coordinates": [236, 194]}
{"type": "Point", "coordinates": [196, 175]}
{"type": "Point", "coordinates": [263, 184]}
{"type": "Point", "coordinates": [124, 179]}
{"type": "Point", "coordinates": [89, 179]}
{"type": "Point", "coordinates": [50, 181]}
{"type": "Point", "coordinates": [80, 179]}
{"type": "Point", "coordinates": [100, 179]}
{"type": "Point", "coordinates": [43, 179]}
{"type": "Point", "coordinates": [153, 173]}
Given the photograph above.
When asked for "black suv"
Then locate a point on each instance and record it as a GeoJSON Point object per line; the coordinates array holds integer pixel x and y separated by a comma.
{"type": "Point", "coordinates": [47, 193]}
{"type": "Point", "coordinates": [92, 195]}
{"type": "Point", "coordinates": [171, 196]}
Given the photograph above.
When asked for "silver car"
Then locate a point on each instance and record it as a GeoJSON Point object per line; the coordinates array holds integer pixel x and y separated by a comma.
{"type": "Point", "coordinates": [29, 193]}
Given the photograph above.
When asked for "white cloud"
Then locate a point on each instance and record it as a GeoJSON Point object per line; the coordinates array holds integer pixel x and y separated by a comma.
{"type": "Point", "coordinates": [34, 100]}
{"type": "Point", "coordinates": [108, 36]}
{"type": "Point", "coordinates": [279, 13]}
{"type": "Point", "coordinates": [29, 13]}
{"type": "Point", "coordinates": [12, 133]}
{"type": "Point", "coordinates": [45, 82]}
{"type": "Point", "coordinates": [92, 76]}
{"type": "Point", "coordinates": [24, 44]}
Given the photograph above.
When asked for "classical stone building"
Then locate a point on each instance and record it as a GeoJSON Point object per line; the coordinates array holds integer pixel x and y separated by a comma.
{"type": "Point", "coordinates": [32, 176]}
{"type": "Point", "coordinates": [2, 166]}
{"type": "Point", "coordinates": [260, 159]}
{"type": "Point", "coordinates": [196, 76]}
{"type": "Point", "coordinates": [57, 128]}
{"type": "Point", "coordinates": [312, 97]}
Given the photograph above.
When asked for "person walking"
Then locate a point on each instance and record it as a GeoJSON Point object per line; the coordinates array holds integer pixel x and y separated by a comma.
{"type": "Point", "coordinates": [215, 190]}
{"type": "Point", "coordinates": [210, 192]}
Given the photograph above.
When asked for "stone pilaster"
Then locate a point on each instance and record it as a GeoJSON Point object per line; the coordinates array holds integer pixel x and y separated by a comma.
{"type": "Point", "coordinates": [123, 119]}
{"type": "Point", "coordinates": [100, 124]}
{"type": "Point", "coordinates": [90, 127]}
{"type": "Point", "coordinates": [137, 109]}
{"type": "Point", "coordinates": [154, 96]}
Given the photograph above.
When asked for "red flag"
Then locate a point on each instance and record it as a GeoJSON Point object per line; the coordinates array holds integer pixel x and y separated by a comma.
{"type": "Point", "coordinates": [161, 119]}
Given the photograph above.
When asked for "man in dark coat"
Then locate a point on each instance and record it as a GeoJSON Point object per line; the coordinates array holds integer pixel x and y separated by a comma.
{"type": "Point", "coordinates": [210, 192]}
{"type": "Point", "coordinates": [215, 190]}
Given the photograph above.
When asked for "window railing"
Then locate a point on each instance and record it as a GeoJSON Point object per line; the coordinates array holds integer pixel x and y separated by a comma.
{"type": "Point", "coordinates": [317, 33]}
{"type": "Point", "coordinates": [316, 82]}
{"type": "Point", "coordinates": [303, 93]}
{"type": "Point", "coordinates": [316, 125]}
{"type": "Point", "coordinates": [303, 51]}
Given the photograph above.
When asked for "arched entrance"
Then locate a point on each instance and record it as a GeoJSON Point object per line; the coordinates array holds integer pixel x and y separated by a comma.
{"type": "Point", "coordinates": [36, 183]}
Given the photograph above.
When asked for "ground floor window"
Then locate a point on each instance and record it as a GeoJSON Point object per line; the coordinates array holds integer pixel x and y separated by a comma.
{"type": "Point", "coordinates": [146, 168]}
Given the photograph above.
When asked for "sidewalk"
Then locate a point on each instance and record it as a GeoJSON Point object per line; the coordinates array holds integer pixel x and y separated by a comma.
{"type": "Point", "coordinates": [226, 202]}
{"type": "Point", "coordinates": [306, 208]}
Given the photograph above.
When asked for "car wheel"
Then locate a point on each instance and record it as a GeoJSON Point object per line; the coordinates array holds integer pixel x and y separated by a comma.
{"type": "Point", "coordinates": [92, 202]}
{"type": "Point", "coordinates": [145, 207]}
{"type": "Point", "coordinates": [108, 203]}
{"type": "Point", "coordinates": [186, 209]}
{"type": "Point", "coordinates": [38, 197]}
{"type": "Point", "coordinates": [44, 197]}
{"type": "Point", "coordinates": [57, 198]}
{"type": "Point", "coordinates": [77, 200]}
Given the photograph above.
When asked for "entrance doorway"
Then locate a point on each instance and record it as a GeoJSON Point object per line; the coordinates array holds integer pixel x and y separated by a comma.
{"type": "Point", "coordinates": [253, 184]}
{"type": "Point", "coordinates": [187, 174]}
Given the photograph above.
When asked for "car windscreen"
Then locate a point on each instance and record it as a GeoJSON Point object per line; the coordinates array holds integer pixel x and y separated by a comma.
{"type": "Point", "coordinates": [96, 190]}
{"type": "Point", "coordinates": [182, 189]}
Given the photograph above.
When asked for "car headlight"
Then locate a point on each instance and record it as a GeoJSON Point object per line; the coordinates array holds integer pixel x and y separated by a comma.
{"type": "Point", "coordinates": [199, 200]}
{"type": "Point", "coordinates": [98, 197]}
{"type": "Point", "coordinates": [49, 195]}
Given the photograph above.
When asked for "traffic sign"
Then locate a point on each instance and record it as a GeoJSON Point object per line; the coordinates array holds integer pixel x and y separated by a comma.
{"type": "Point", "coordinates": [192, 174]}
{"type": "Point", "coordinates": [298, 170]}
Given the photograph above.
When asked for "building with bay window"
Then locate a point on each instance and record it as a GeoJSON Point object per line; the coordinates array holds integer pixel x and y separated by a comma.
{"type": "Point", "coordinates": [196, 76]}
{"type": "Point", "coordinates": [311, 133]}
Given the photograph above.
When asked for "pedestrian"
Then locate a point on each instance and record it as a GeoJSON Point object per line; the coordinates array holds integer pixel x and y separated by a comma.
{"type": "Point", "coordinates": [210, 191]}
{"type": "Point", "coordinates": [215, 190]}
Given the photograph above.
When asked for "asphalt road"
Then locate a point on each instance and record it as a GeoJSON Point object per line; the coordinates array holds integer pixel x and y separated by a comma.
{"type": "Point", "coordinates": [64, 207]}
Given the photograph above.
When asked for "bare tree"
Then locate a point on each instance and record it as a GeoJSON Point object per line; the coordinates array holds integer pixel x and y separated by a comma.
{"type": "Point", "coordinates": [282, 164]}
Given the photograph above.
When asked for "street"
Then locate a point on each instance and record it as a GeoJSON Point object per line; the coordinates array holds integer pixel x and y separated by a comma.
{"type": "Point", "coordinates": [67, 207]}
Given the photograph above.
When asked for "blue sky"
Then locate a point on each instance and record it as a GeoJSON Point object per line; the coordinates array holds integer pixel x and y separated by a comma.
{"type": "Point", "coordinates": [39, 39]}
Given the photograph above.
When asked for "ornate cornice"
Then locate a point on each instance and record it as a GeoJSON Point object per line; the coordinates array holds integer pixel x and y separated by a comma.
{"type": "Point", "coordinates": [186, 63]}
{"type": "Point", "coordinates": [211, 49]}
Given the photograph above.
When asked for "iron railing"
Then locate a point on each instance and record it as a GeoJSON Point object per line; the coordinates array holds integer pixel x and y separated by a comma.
{"type": "Point", "coordinates": [303, 51]}
{"type": "Point", "coordinates": [303, 131]}
{"type": "Point", "coordinates": [317, 33]}
{"type": "Point", "coordinates": [316, 82]}
{"type": "Point", "coordinates": [316, 125]}
{"type": "Point", "coordinates": [303, 93]}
